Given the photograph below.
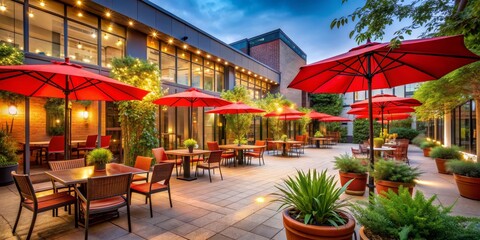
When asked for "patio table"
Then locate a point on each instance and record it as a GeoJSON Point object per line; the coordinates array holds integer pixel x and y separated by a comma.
{"type": "Point", "coordinates": [43, 144]}
{"type": "Point", "coordinates": [186, 155]}
{"type": "Point", "coordinates": [383, 149]}
{"type": "Point", "coordinates": [390, 144]}
{"type": "Point", "coordinates": [240, 149]}
{"type": "Point", "coordinates": [284, 145]}
{"type": "Point", "coordinates": [322, 141]}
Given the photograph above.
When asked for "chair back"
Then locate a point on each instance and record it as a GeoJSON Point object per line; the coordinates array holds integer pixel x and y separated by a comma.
{"type": "Point", "coordinates": [108, 186]}
{"type": "Point", "coordinates": [213, 146]}
{"type": "Point", "coordinates": [300, 138]}
{"type": "Point", "coordinates": [91, 141]}
{"type": "Point", "coordinates": [24, 187]}
{"type": "Point", "coordinates": [259, 143]}
{"type": "Point", "coordinates": [66, 164]}
{"type": "Point", "coordinates": [143, 163]}
{"type": "Point", "coordinates": [215, 156]}
{"type": "Point", "coordinates": [56, 144]}
{"type": "Point", "coordinates": [105, 141]}
{"type": "Point", "coordinates": [159, 154]}
{"type": "Point", "coordinates": [162, 172]}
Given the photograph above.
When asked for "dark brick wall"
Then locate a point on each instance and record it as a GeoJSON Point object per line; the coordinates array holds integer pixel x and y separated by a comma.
{"type": "Point", "coordinates": [268, 53]}
{"type": "Point", "coordinates": [290, 64]}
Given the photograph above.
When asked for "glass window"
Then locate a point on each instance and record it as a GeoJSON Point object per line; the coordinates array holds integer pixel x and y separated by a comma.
{"type": "Point", "coordinates": [50, 6]}
{"type": "Point", "coordinates": [82, 17]}
{"type": "Point", "coordinates": [167, 48]}
{"type": "Point", "coordinates": [112, 47]}
{"type": "Point", "coordinates": [208, 80]}
{"type": "Point", "coordinates": [209, 64]}
{"type": "Point", "coordinates": [153, 43]}
{"type": "Point", "coordinates": [183, 54]}
{"type": "Point", "coordinates": [46, 34]}
{"type": "Point", "coordinates": [11, 24]}
{"type": "Point", "coordinates": [153, 56]}
{"type": "Point", "coordinates": [113, 28]}
{"type": "Point", "coordinates": [197, 76]}
{"type": "Point", "coordinates": [167, 68]}
{"type": "Point", "coordinates": [219, 77]}
{"type": "Point", "coordinates": [183, 72]}
{"type": "Point", "coordinates": [82, 43]}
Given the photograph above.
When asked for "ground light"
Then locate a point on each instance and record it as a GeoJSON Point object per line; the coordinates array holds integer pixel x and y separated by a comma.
{"type": "Point", "coordinates": [260, 200]}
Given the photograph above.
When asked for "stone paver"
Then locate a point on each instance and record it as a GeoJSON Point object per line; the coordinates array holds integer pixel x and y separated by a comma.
{"type": "Point", "coordinates": [225, 209]}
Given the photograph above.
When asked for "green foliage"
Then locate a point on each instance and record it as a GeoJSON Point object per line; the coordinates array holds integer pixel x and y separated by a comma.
{"type": "Point", "coordinates": [238, 125]}
{"type": "Point", "coordinates": [138, 118]}
{"type": "Point", "coordinates": [10, 55]}
{"type": "Point", "coordinates": [189, 142]}
{"type": "Point", "coordinates": [271, 102]}
{"type": "Point", "coordinates": [464, 168]}
{"type": "Point", "coordinates": [240, 141]}
{"type": "Point", "coordinates": [378, 142]}
{"type": "Point", "coordinates": [314, 197]}
{"type": "Point", "coordinates": [99, 156]}
{"type": "Point", "coordinates": [55, 110]}
{"type": "Point", "coordinates": [8, 149]}
{"type": "Point", "coordinates": [327, 103]}
{"type": "Point", "coordinates": [305, 120]}
{"type": "Point", "coordinates": [400, 216]}
{"type": "Point", "coordinates": [394, 171]}
{"type": "Point", "coordinates": [361, 128]}
{"type": "Point", "coordinates": [347, 163]}
{"type": "Point", "coordinates": [419, 139]}
{"type": "Point", "coordinates": [284, 138]}
{"type": "Point", "coordinates": [337, 127]}
{"type": "Point", "coordinates": [442, 152]}
{"type": "Point", "coordinates": [428, 144]}
{"type": "Point", "coordinates": [407, 133]}
{"type": "Point", "coordinates": [318, 134]}
{"type": "Point", "coordinates": [405, 123]}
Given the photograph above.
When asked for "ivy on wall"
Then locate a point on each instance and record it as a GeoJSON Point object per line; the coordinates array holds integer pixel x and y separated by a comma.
{"type": "Point", "coordinates": [10, 55]}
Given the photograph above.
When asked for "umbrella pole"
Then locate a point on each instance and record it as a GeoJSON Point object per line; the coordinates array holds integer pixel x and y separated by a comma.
{"type": "Point", "coordinates": [190, 122]}
{"type": "Point", "coordinates": [382, 117]}
{"type": "Point", "coordinates": [371, 184]}
{"type": "Point", "coordinates": [26, 153]}
{"type": "Point", "coordinates": [66, 152]}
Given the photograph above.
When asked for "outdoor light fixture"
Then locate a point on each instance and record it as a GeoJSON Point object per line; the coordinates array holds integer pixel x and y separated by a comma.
{"type": "Point", "coordinates": [119, 42]}
{"type": "Point", "coordinates": [3, 8]}
{"type": "Point", "coordinates": [218, 59]}
{"type": "Point", "coordinates": [12, 110]}
{"type": "Point", "coordinates": [185, 46]}
{"type": "Point", "coordinates": [94, 35]}
{"type": "Point", "coordinates": [79, 2]}
{"type": "Point", "coordinates": [243, 70]}
{"type": "Point", "coordinates": [154, 34]}
{"type": "Point", "coordinates": [30, 14]}
{"type": "Point", "coordinates": [80, 14]}
{"type": "Point", "coordinates": [85, 114]}
{"type": "Point", "coordinates": [105, 36]}
{"type": "Point", "coordinates": [236, 67]}
{"type": "Point", "coordinates": [79, 45]}
{"type": "Point", "coordinates": [110, 28]}
{"type": "Point", "coordinates": [130, 23]}
{"type": "Point", "coordinates": [184, 38]}
{"type": "Point", "coordinates": [208, 56]}
{"type": "Point", "coordinates": [108, 14]}
{"type": "Point", "coordinates": [198, 52]}
{"type": "Point", "coordinates": [9, 39]}
{"type": "Point", "coordinates": [226, 63]}
{"type": "Point", "coordinates": [42, 3]}
{"type": "Point", "coordinates": [57, 121]}
{"type": "Point", "coordinates": [170, 41]}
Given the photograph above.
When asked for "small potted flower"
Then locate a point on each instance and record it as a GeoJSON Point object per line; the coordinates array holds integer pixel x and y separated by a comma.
{"type": "Point", "coordinates": [284, 138]}
{"type": "Point", "coordinates": [318, 134]}
{"type": "Point", "coordinates": [351, 168]}
{"type": "Point", "coordinates": [443, 154]}
{"type": "Point", "coordinates": [313, 208]}
{"type": "Point", "coordinates": [427, 146]}
{"type": "Point", "coordinates": [240, 141]}
{"type": "Point", "coordinates": [392, 175]}
{"type": "Point", "coordinates": [99, 158]}
{"type": "Point", "coordinates": [190, 144]}
{"type": "Point", "coordinates": [467, 177]}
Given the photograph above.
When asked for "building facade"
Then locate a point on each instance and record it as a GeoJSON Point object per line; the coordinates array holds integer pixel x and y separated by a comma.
{"type": "Point", "coordinates": [92, 33]}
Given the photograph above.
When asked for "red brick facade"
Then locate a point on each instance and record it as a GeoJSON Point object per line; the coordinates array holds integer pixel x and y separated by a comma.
{"type": "Point", "coordinates": [268, 53]}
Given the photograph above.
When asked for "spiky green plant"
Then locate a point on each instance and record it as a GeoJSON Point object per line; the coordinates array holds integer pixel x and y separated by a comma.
{"type": "Point", "coordinates": [8, 149]}
{"type": "Point", "coordinates": [350, 164]}
{"type": "Point", "coordinates": [464, 168]}
{"type": "Point", "coordinates": [313, 197]}
{"type": "Point", "coordinates": [394, 171]}
{"type": "Point", "coordinates": [442, 152]}
{"type": "Point", "coordinates": [99, 156]}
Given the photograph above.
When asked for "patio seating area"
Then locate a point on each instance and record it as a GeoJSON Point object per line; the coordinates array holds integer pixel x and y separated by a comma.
{"type": "Point", "coordinates": [239, 207]}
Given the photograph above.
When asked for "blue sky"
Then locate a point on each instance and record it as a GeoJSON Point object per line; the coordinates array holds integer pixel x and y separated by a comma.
{"type": "Point", "coordinates": [306, 22]}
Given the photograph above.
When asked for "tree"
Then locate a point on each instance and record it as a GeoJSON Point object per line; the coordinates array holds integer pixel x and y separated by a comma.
{"type": "Point", "coordinates": [137, 118]}
{"type": "Point", "coordinates": [271, 103]}
{"type": "Point", "coordinates": [238, 125]}
{"type": "Point", "coordinates": [327, 103]}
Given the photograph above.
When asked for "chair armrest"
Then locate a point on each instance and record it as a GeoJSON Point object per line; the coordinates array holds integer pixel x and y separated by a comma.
{"type": "Point", "coordinates": [79, 194]}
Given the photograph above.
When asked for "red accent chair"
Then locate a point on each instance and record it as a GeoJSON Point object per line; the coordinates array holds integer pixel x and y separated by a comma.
{"type": "Point", "coordinates": [90, 144]}
{"type": "Point", "coordinates": [162, 157]}
{"type": "Point", "coordinates": [226, 156]}
{"type": "Point", "coordinates": [257, 152]}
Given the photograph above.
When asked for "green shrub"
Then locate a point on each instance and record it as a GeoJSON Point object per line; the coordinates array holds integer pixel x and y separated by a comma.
{"type": "Point", "coordinates": [313, 197]}
{"type": "Point", "coordinates": [243, 140]}
{"type": "Point", "coordinates": [394, 171]}
{"type": "Point", "coordinates": [452, 152]}
{"type": "Point", "coordinates": [419, 139]}
{"type": "Point", "coordinates": [8, 149]}
{"type": "Point", "coordinates": [404, 217]}
{"type": "Point", "coordinates": [407, 133]}
{"type": "Point", "coordinates": [284, 138]}
{"type": "Point", "coordinates": [428, 144]}
{"type": "Point", "coordinates": [189, 142]}
{"type": "Point", "coordinates": [361, 130]}
{"type": "Point", "coordinates": [347, 163]}
{"type": "Point", "coordinates": [99, 156]}
{"type": "Point", "coordinates": [464, 168]}
{"type": "Point", "coordinates": [378, 142]}
{"type": "Point", "coordinates": [318, 134]}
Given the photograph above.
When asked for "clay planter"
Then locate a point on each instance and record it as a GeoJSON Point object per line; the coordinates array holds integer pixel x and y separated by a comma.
{"type": "Point", "coordinates": [468, 186]}
{"type": "Point", "coordinates": [357, 186]}
{"type": "Point", "coordinates": [296, 230]}
{"type": "Point", "coordinates": [441, 165]}
{"type": "Point", "coordinates": [361, 232]}
{"type": "Point", "coordinates": [6, 174]}
{"type": "Point", "coordinates": [426, 152]}
{"type": "Point", "coordinates": [190, 149]}
{"type": "Point", "coordinates": [383, 186]}
{"type": "Point", "coordinates": [99, 167]}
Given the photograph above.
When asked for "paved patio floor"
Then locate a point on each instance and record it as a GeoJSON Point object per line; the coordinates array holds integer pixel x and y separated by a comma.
{"type": "Point", "coordinates": [225, 209]}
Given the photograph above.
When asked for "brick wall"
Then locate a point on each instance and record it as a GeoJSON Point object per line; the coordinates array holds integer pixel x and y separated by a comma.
{"type": "Point", "coordinates": [289, 63]}
{"type": "Point", "coordinates": [268, 53]}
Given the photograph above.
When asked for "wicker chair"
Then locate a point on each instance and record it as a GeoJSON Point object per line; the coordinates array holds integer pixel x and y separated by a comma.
{"type": "Point", "coordinates": [30, 201]}
{"type": "Point", "coordinates": [105, 194]}
{"type": "Point", "coordinates": [161, 172]}
{"type": "Point", "coordinates": [143, 163]}
{"type": "Point", "coordinates": [257, 153]}
{"type": "Point", "coordinates": [162, 157]}
{"type": "Point", "coordinates": [90, 144]}
{"type": "Point", "coordinates": [398, 154]}
{"type": "Point", "coordinates": [300, 146]}
{"type": "Point", "coordinates": [212, 163]}
{"type": "Point", "coordinates": [63, 165]}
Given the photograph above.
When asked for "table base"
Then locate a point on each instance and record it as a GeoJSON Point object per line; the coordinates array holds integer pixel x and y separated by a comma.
{"type": "Point", "coordinates": [187, 178]}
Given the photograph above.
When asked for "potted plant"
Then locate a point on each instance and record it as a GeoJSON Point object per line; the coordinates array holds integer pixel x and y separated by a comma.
{"type": "Point", "coordinates": [99, 158]}
{"type": "Point", "coordinates": [467, 177]}
{"type": "Point", "coordinates": [378, 142]}
{"type": "Point", "coordinates": [284, 138]}
{"type": "Point", "coordinates": [392, 175]}
{"type": "Point", "coordinates": [318, 134]}
{"type": "Point", "coordinates": [190, 144]}
{"type": "Point", "coordinates": [8, 157]}
{"type": "Point", "coordinates": [443, 154]}
{"type": "Point", "coordinates": [240, 141]}
{"type": "Point", "coordinates": [401, 216]}
{"type": "Point", "coordinates": [427, 146]}
{"type": "Point", "coordinates": [313, 208]}
{"type": "Point", "coordinates": [351, 168]}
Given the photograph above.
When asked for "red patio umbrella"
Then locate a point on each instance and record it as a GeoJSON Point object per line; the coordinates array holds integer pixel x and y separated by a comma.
{"type": "Point", "coordinates": [377, 65]}
{"type": "Point", "coordinates": [191, 98]}
{"type": "Point", "coordinates": [388, 117]}
{"type": "Point", "coordinates": [335, 119]}
{"type": "Point", "coordinates": [316, 115]}
{"type": "Point", "coordinates": [378, 111]}
{"type": "Point", "coordinates": [284, 112]}
{"type": "Point", "coordinates": [64, 80]}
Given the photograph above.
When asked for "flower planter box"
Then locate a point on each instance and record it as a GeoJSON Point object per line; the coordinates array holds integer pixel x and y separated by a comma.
{"type": "Point", "coordinates": [383, 186]}
{"type": "Point", "coordinates": [357, 186]}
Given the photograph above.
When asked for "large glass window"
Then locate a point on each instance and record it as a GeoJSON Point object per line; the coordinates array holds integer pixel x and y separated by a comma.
{"type": "Point", "coordinates": [167, 67]}
{"type": "Point", "coordinates": [11, 24]}
{"type": "Point", "coordinates": [220, 77]}
{"type": "Point", "coordinates": [183, 67]}
{"type": "Point", "coordinates": [113, 42]}
{"type": "Point", "coordinates": [197, 76]}
{"type": "Point", "coordinates": [153, 53]}
{"type": "Point", "coordinates": [46, 33]}
{"type": "Point", "coordinates": [209, 76]}
{"type": "Point", "coordinates": [82, 43]}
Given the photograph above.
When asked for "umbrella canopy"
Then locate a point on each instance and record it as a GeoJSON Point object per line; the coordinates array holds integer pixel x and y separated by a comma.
{"type": "Point", "coordinates": [65, 80]}
{"type": "Point", "coordinates": [387, 100]}
{"type": "Point", "coordinates": [191, 98]}
{"type": "Point", "coordinates": [377, 65]}
{"type": "Point", "coordinates": [335, 119]}
{"type": "Point", "coordinates": [378, 111]}
{"type": "Point", "coordinates": [388, 117]}
{"type": "Point", "coordinates": [235, 108]}
{"type": "Point", "coordinates": [316, 115]}
{"type": "Point", "coordinates": [283, 113]}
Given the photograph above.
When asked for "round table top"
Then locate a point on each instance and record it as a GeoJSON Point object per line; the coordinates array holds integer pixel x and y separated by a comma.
{"type": "Point", "coordinates": [383, 149]}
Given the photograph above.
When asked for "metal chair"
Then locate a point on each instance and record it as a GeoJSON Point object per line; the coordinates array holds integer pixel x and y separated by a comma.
{"type": "Point", "coordinates": [55, 146]}
{"type": "Point", "coordinates": [105, 194]}
{"type": "Point", "coordinates": [257, 152]}
{"type": "Point", "coordinates": [226, 156]}
{"type": "Point", "coordinates": [212, 163]}
{"type": "Point", "coordinates": [143, 163]}
{"type": "Point", "coordinates": [105, 141]}
{"type": "Point", "coordinates": [161, 173]}
{"type": "Point", "coordinates": [162, 157]}
{"type": "Point", "coordinates": [30, 201]}
{"type": "Point", "coordinates": [90, 144]}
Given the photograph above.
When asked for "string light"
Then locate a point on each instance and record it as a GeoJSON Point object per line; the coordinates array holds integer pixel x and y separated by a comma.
{"type": "Point", "coordinates": [130, 23]}
{"type": "Point", "coordinates": [199, 52]}
{"type": "Point", "coordinates": [94, 35]}
{"type": "Point", "coordinates": [42, 3]}
{"type": "Point", "coordinates": [110, 28]}
{"type": "Point", "coordinates": [154, 34]}
{"type": "Point", "coordinates": [208, 56]}
{"type": "Point", "coordinates": [185, 46]}
{"type": "Point", "coordinates": [105, 36]}
{"type": "Point", "coordinates": [80, 14]}
{"type": "Point", "coordinates": [79, 2]}
{"type": "Point", "coordinates": [30, 14]}
{"type": "Point", "coordinates": [170, 41]}
{"type": "Point", "coordinates": [79, 45]}
{"type": "Point", "coordinates": [3, 8]}
{"type": "Point", "coordinates": [119, 42]}
{"type": "Point", "coordinates": [108, 14]}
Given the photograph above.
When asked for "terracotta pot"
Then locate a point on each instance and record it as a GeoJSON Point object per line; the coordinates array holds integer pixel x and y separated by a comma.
{"type": "Point", "coordinates": [426, 152]}
{"type": "Point", "coordinates": [361, 232]}
{"type": "Point", "coordinates": [296, 230]}
{"type": "Point", "coordinates": [357, 186]}
{"type": "Point", "coordinates": [6, 174]}
{"type": "Point", "coordinates": [468, 186]}
{"type": "Point", "coordinates": [383, 186]}
{"type": "Point", "coordinates": [441, 165]}
{"type": "Point", "coordinates": [99, 167]}
{"type": "Point", "coordinates": [190, 149]}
